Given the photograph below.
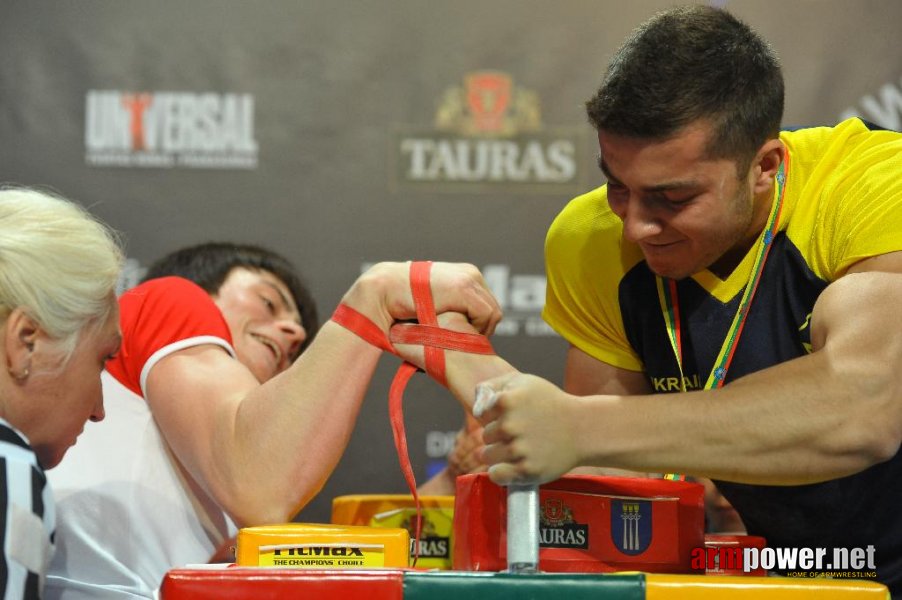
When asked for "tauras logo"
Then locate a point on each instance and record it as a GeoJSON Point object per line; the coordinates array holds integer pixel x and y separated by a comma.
{"type": "Point", "coordinates": [489, 131]}
{"type": "Point", "coordinates": [431, 547]}
{"type": "Point", "coordinates": [566, 536]}
{"type": "Point", "coordinates": [558, 528]}
{"type": "Point", "coordinates": [468, 161]}
{"type": "Point", "coordinates": [168, 129]}
{"type": "Point", "coordinates": [431, 544]}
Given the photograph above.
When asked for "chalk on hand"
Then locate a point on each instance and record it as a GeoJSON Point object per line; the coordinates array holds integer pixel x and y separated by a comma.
{"type": "Point", "coordinates": [485, 399]}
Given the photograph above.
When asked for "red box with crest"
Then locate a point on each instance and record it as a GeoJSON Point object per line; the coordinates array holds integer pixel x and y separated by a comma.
{"type": "Point", "coordinates": [588, 524]}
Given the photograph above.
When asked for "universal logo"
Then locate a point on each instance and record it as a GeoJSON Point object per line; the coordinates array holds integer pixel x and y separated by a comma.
{"type": "Point", "coordinates": [169, 129]}
{"type": "Point", "coordinates": [487, 133]}
{"type": "Point", "coordinates": [558, 529]}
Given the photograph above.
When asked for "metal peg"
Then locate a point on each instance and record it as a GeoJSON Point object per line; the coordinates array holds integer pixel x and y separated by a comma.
{"type": "Point", "coordinates": [523, 528]}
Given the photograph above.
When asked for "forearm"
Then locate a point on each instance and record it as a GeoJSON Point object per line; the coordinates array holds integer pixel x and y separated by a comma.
{"type": "Point", "coordinates": [442, 483]}
{"type": "Point", "coordinates": [304, 417]}
{"type": "Point", "coordinates": [289, 433]}
{"type": "Point", "coordinates": [464, 371]}
{"type": "Point", "coordinates": [806, 420]}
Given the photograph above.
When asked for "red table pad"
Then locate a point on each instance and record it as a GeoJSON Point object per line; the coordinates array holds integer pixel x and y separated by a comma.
{"type": "Point", "coordinates": [588, 524]}
{"type": "Point", "coordinates": [256, 583]}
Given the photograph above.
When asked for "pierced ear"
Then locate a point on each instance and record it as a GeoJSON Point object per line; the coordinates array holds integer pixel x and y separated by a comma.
{"type": "Point", "coordinates": [21, 332]}
{"type": "Point", "coordinates": [767, 163]}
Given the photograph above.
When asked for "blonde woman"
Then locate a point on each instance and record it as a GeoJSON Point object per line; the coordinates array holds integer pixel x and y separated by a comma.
{"type": "Point", "coordinates": [59, 323]}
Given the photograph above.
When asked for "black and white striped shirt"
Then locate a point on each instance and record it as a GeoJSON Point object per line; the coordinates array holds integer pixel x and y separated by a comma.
{"type": "Point", "coordinates": [27, 518]}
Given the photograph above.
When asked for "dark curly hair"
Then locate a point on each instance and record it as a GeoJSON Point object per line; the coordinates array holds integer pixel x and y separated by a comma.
{"type": "Point", "coordinates": [210, 263]}
{"type": "Point", "coordinates": [691, 63]}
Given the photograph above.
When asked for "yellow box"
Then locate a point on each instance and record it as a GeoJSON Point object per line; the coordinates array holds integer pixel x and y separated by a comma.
{"type": "Point", "coordinates": [399, 510]}
{"type": "Point", "coordinates": [315, 546]}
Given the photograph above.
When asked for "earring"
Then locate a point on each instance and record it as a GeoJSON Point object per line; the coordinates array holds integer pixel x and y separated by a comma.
{"type": "Point", "coordinates": [20, 376]}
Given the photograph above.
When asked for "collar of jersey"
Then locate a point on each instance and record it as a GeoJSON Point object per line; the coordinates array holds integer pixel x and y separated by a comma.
{"type": "Point", "coordinates": [727, 289]}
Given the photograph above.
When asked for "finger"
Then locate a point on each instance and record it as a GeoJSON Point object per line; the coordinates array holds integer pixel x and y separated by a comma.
{"type": "Point", "coordinates": [483, 312]}
{"type": "Point", "coordinates": [493, 434]}
{"type": "Point", "coordinates": [489, 311]}
{"type": "Point", "coordinates": [499, 452]}
{"type": "Point", "coordinates": [471, 424]}
{"type": "Point", "coordinates": [494, 316]}
{"type": "Point", "coordinates": [507, 474]}
{"type": "Point", "coordinates": [472, 463]}
{"type": "Point", "coordinates": [488, 395]}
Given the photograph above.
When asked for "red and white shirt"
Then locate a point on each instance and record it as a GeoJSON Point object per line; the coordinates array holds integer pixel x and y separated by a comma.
{"type": "Point", "coordinates": [127, 511]}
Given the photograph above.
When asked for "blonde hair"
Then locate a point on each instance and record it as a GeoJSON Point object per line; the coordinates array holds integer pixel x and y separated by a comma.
{"type": "Point", "coordinates": [57, 262]}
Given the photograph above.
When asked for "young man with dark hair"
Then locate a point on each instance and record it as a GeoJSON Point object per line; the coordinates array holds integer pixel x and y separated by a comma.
{"type": "Point", "coordinates": [723, 251]}
{"type": "Point", "coordinates": [209, 264]}
{"type": "Point", "coordinates": [211, 422]}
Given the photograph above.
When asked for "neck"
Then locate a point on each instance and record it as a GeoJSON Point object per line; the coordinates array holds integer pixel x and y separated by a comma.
{"type": "Point", "coordinates": [730, 259]}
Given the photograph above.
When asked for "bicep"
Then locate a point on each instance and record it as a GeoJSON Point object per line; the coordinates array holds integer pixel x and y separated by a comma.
{"type": "Point", "coordinates": [890, 262]}
{"type": "Point", "coordinates": [858, 303]}
{"type": "Point", "coordinates": [194, 396]}
{"type": "Point", "coordinates": [585, 375]}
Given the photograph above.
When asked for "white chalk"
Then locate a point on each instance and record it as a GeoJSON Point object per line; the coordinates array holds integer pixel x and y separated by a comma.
{"type": "Point", "coordinates": [485, 399]}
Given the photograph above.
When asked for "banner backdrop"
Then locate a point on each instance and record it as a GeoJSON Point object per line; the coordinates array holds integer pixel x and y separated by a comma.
{"type": "Point", "coordinates": [343, 133]}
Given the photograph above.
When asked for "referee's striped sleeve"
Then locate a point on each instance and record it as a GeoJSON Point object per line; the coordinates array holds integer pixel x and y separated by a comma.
{"type": "Point", "coordinates": [27, 519]}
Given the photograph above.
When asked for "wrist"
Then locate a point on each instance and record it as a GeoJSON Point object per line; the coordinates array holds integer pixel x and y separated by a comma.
{"type": "Point", "coordinates": [464, 371]}
{"type": "Point", "coordinates": [367, 296]}
{"type": "Point", "coordinates": [583, 413]}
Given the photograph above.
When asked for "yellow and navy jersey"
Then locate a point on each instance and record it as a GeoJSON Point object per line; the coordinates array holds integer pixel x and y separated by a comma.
{"type": "Point", "coordinates": [842, 203]}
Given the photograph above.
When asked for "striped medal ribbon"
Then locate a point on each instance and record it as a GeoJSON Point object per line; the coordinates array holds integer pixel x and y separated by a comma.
{"type": "Point", "coordinates": [670, 305]}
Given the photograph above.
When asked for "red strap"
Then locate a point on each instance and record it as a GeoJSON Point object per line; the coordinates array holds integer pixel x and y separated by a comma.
{"type": "Point", "coordinates": [436, 338]}
{"type": "Point", "coordinates": [360, 325]}
{"type": "Point", "coordinates": [396, 418]}
{"type": "Point", "coordinates": [435, 341]}
{"type": "Point", "coordinates": [422, 299]}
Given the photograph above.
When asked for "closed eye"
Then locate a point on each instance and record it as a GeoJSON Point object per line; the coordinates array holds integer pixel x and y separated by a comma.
{"type": "Point", "coordinates": [679, 201]}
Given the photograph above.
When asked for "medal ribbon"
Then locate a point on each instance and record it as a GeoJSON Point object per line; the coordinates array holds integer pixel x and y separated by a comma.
{"type": "Point", "coordinates": [670, 306]}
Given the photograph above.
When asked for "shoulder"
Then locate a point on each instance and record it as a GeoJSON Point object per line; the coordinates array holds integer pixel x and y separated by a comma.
{"type": "Point", "coordinates": [161, 316]}
{"type": "Point", "coordinates": [29, 517]}
{"type": "Point", "coordinates": [586, 215]}
{"type": "Point", "coordinates": [15, 448]}
{"type": "Point", "coordinates": [586, 234]}
{"type": "Point", "coordinates": [24, 479]}
{"type": "Point", "coordinates": [166, 292]}
{"type": "Point", "coordinates": [846, 150]}
{"type": "Point", "coordinates": [170, 302]}
{"type": "Point", "coordinates": [844, 193]}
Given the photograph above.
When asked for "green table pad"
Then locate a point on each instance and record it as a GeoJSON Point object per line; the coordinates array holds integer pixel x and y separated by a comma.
{"type": "Point", "coordinates": [467, 585]}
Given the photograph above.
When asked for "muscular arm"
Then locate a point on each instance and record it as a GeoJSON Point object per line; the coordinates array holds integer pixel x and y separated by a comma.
{"type": "Point", "coordinates": [262, 451]}
{"type": "Point", "coordinates": [832, 413]}
{"type": "Point", "coordinates": [586, 376]}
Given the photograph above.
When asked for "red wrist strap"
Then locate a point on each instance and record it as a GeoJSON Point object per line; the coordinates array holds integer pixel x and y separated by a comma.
{"type": "Point", "coordinates": [362, 327]}
{"type": "Point", "coordinates": [435, 341]}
